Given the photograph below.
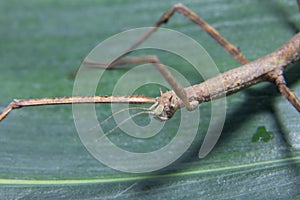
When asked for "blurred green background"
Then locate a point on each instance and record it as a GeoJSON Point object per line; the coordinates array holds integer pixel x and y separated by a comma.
{"type": "Point", "coordinates": [42, 46]}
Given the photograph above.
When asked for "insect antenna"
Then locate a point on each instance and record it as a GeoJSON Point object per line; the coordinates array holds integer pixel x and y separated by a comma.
{"type": "Point", "coordinates": [125, 120]}
{"type": "Point", "coordinates": [118, 112]}
{"type": "Point", "coordinates": [122, 110]}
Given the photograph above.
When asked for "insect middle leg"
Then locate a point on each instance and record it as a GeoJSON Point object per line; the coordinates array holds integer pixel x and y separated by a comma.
{"type": "Point", "coordinates": [180, 8]}
{"type": "Point", "coordinates": [277, 78]}
{"type": "Point", "coordinates": [180, 92]}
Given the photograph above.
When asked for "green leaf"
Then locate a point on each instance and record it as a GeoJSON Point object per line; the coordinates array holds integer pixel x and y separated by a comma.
{"type": "Point", "coordinates": [262, 135]}
{"type": "Point", "coordinates": [42, 157]}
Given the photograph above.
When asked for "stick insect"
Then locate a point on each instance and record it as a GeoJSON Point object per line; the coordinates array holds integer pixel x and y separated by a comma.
{"type": "Point", "coordinates": [265, 69]}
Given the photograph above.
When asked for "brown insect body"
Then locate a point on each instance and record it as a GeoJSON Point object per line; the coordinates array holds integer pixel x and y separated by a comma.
{"type": "Point", "coordinates": [267, 68]}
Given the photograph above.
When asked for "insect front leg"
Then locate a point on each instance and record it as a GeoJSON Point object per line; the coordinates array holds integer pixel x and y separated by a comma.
{"type": "Point", "coordinates": [178, 89]}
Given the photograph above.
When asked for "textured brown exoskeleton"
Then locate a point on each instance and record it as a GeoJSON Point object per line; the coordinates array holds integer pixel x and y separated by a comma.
{"type": "Point", "coordinates": [268, 68]}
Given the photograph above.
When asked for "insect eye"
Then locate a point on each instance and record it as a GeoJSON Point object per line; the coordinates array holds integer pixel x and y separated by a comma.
{"type": "Point", "coordinates": [172, 106]}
